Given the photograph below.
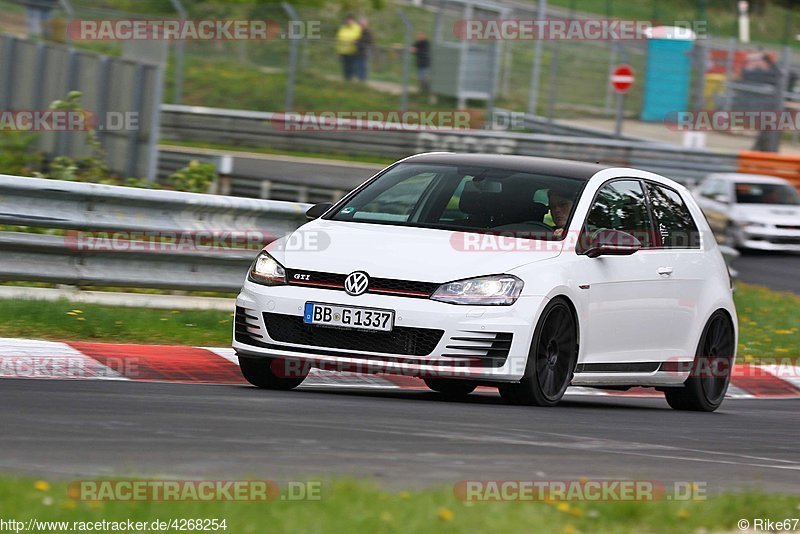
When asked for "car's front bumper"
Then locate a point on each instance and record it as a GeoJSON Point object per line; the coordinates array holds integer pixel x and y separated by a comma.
{"type": "Point", "coordinates": [449, 358]}
{"type": "Point", "coordinates": [770, 239]}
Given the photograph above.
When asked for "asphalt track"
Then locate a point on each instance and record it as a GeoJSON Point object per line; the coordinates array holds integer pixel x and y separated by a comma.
{"type": "Point", "coordinates": [776, 271]}
{"type": "Point", "coordinates": [63, 428]}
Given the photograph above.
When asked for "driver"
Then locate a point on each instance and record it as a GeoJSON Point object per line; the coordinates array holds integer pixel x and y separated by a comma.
{"type": "Point", "coordinates": [560, 203]}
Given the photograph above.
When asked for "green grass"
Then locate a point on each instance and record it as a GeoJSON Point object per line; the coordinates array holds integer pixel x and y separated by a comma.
{"type": "Point", "coordinates": [767, 322]}
{"type": "Point", "coordinates": [39, 319]}
{"type": "Point", "coordinates": [358, 506]}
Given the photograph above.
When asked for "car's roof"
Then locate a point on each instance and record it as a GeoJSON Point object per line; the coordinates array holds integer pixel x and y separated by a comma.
{"type": "Point", "coordinates": [749, 178]}
{"type": "Point", "coordinates": [550, 166]}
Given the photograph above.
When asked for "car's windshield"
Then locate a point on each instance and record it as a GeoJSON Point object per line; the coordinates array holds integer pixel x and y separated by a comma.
{"type": "Point", "coordinates": [747, 193]}
{"type": "Point", "coordinates": [466, 198]}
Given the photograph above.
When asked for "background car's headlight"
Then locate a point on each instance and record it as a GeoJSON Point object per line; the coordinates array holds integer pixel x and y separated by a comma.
{"type": "Point", "coordinates": [752, 224]}
{"type": "Point", "coordinates": [497, 290]}
{"type": "Point", "coordinates": [267, 271]}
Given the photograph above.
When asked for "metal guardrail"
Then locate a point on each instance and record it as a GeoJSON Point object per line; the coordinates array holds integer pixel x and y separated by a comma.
{"type": "Point", "coordinates": [124, 261]}
{"type": "Point", "coordinates": [292, 179]}
{"type": "Point", "coordinates": [259, 129]}
{"type": "Point", "coordinates": [85, 211]}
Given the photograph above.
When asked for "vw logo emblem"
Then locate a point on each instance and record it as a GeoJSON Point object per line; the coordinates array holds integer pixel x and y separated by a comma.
{"type": "Point", "coordinates": [356, 283]}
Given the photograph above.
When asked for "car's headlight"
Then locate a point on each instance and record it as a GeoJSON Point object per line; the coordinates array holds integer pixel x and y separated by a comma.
{"type": "Point", "coordinates": [267, 271]}
{"type": "Point", "coordinates": [496, 290]}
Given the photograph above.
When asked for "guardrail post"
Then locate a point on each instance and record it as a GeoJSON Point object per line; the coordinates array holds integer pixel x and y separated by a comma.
{"type": "Point", "coordinates": [8, 68]}
{"type": "Point", "coordinates": [41, 65]}
{"type": "Point", "coordinates": [536, 68]}
{"type": "Point", "coordinates": [290, 75]}
{"type": "Point", "coordinates": [63, 144]}
{"type": "Point", "coordinates": [178, 89]}
{"type": "Point", "coordinates": [407, 36]}
{"type": "Point", "coordinates": [732, 46]}
{"type": "Point", "coordinates": [137, 104]}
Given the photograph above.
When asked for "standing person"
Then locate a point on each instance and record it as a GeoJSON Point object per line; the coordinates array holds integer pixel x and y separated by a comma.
{"type": "Point", "coordinates": [422, 51]}
{"type": "Point", "coordinates": [363, 46]}
{"type": "Point", "coordinates": [347, 45]}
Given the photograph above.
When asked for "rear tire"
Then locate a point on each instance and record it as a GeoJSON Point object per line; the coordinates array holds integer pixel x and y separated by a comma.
{"type": "Point", "coordinates": [551, 359]}
{"type": "Point", "coordinates": [710, 375]}
{"type": "Point", "coordinates": [449, 388]}
{"type": "Point", "coordinates": [261, 372]}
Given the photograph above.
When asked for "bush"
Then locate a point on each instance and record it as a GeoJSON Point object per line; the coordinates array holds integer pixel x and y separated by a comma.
{"type": "Point", "coordinates": [18, 156]}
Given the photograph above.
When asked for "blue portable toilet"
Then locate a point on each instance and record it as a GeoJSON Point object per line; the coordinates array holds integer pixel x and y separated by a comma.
{"type": "Point", "coordinates": [668, 74]}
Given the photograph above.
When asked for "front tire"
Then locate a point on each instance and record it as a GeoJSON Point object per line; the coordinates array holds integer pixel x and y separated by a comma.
{"type": "Point", "coordinates": [261, 372]}
{"type": "Point", "coordinates": [551, 359]}
{"type": "Point", "coordinates": [710, 375]}
{"type": "Point", "coordinates": [450, 389]}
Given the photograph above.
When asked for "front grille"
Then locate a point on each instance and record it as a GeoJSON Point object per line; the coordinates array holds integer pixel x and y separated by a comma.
{"type": "Point", "coordinates": [246, 325]}
{"type": "Point", "coordinates": [785, 240]}
{"type": "Point", "coordinates": [491, 348]}
{"type": "Point", "coordinates": [378, 286]}
{"type": "Point", "coordinates": [401, 340]}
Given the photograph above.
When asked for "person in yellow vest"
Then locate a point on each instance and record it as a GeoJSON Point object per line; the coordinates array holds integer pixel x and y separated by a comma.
{"type": "Point", "coordinates": [347, 45]}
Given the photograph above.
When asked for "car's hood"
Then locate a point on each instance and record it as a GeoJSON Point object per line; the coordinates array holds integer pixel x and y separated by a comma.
{"type": "Point", "coordinates": [767, 213]}
{"type": "Point", "coordinates": [405, 253]}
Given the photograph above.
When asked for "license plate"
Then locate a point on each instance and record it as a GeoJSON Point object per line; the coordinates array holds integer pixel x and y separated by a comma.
{"type": "Point", "coordinates": [348, 317]}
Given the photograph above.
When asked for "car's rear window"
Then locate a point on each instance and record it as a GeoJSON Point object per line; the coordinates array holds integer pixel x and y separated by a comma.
{"type": "Point", "coordinates": [465, 198]}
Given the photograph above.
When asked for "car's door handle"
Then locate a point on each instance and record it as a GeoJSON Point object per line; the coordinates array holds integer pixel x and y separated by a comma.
{"type": "Point", "coordinates": [665, 271]}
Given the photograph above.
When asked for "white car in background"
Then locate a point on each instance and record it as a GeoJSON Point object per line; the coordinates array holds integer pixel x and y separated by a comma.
{"type": "Point", "coordinates": [449, 267]}
{"type": "Point", "coordinates": [751, 211]}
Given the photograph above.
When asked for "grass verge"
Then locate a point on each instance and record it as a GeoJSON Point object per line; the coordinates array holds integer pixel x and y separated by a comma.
{"type": "Point", "coordinates": [767, 321]}
{"type": "Point", "coordinates": [353, 506]}
{"type": "Point", "coordinates": [769, 324]}
{"type": "Point", "coordinates": [65, 320]}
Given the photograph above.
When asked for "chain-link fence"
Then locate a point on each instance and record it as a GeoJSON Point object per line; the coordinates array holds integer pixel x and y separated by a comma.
{"type": "Point", "coordinates": [557, 79]}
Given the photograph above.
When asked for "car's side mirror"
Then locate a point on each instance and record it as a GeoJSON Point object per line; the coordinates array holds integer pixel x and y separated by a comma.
{"type": "Point", "coordinates": [612, 243]}
{"type": "Point", "coordinates": [725, 199]}
{"type": "Point", "coordinates": [317, 210]}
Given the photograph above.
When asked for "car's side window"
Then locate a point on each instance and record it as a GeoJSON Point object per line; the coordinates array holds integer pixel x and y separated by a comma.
{"type": "Point", "coordinates": [709, 188]}
{"type": "Point", "coordinates": [675, 226]}
{"type": "Point", "coordinates": [714, 189]}
{"type": "Point", "coordinates": [619, 205]}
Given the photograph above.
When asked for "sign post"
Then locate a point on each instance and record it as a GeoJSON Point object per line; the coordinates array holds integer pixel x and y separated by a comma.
{"type": "Point", "coordinates": [622, 79]}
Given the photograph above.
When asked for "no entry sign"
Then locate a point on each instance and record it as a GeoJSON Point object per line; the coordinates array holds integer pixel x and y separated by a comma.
{"type": "Point", "coordinates": [622, 78]}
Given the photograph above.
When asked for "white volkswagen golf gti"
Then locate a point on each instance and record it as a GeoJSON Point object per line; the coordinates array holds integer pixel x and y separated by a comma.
{"type": "Point", "coordinates": [521, 273]}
